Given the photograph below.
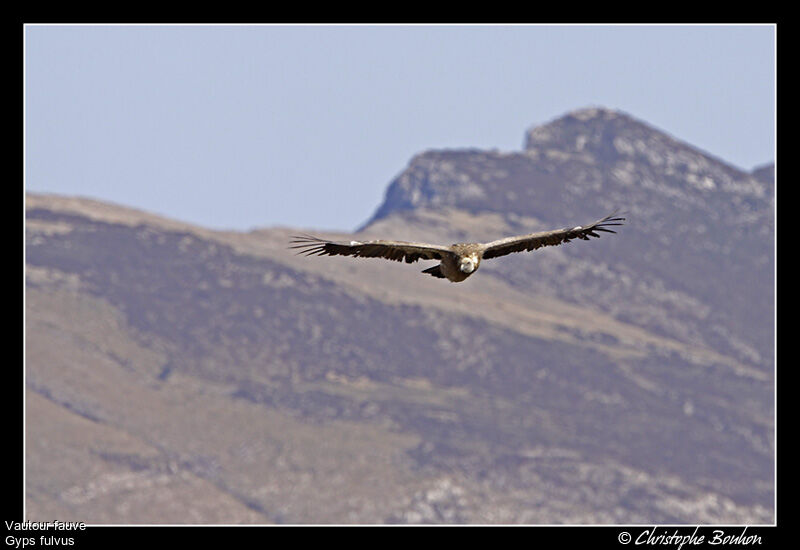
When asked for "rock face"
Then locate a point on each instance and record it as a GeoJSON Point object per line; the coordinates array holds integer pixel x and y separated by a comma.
{"type": "Point", "coordinates": [765, 173]}
{"type": "Point", "coordinates": [178, 374]}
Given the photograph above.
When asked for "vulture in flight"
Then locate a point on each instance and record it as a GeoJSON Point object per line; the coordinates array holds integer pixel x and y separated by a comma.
{"type": "Point", "coordinates": [457, 261]}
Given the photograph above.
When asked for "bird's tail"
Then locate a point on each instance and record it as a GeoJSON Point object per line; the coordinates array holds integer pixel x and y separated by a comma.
{"type": "Point", "coordinates": [436, 271]}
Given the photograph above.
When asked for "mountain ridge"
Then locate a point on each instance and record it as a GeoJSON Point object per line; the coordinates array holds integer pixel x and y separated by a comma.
{"type": "Point", "coordinates": [588, 135]}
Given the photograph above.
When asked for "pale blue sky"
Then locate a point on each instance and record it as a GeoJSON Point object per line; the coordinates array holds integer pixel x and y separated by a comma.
{"type": "Point", "coordinates": [305, 126]}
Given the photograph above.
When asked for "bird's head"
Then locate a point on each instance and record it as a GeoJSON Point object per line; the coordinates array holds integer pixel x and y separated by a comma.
{"type": "Point", "coordinates": [468, 264]}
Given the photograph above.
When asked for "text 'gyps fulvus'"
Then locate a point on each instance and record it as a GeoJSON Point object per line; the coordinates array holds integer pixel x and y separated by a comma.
{"type": "Point", "coordinates": [458, 261]}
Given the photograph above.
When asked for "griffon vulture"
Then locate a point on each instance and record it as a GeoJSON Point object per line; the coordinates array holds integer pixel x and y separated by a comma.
{"type": "Point", "coordinates": [457, 261]}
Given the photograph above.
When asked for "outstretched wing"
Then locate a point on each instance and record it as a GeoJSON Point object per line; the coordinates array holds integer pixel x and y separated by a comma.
{"type": "Point", "coordinates": [391, 250]}
{"type": "Point", "coordinates": [532, 241]}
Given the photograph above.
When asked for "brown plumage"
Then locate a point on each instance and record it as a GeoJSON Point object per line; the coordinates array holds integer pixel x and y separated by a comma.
{"type": "Point", "coordinates": [457, 261]}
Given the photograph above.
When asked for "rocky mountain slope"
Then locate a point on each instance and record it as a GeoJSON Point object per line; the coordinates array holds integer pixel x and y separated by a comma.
{"type": "Point", "coordinates": [182, 375]}
{"type": "Point", "coordinates": [699, 246]}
